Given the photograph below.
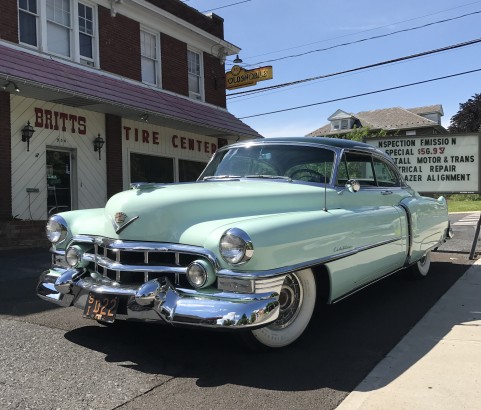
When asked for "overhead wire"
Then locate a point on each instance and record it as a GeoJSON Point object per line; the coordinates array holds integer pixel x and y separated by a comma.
{"type": "Point", "coordinates": [365, 31]}
{"type": "Point", "coordinates": [227, 5]}
{"type": "Point", "coordinates": [362, 94]}
{"type": "Point", "coordinates": [364, 39]}
{"type": "Point", "coordinates": [378, 64]}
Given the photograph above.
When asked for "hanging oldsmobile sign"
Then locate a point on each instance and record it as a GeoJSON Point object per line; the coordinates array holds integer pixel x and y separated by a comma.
{"type": "Point", "coordinates": [239, 77]}
{"type": "Point", "coordinates": [437, 164]}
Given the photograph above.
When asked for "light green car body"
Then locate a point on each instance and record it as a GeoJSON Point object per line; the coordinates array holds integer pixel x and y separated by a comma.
{"type": "Point", "coordinates": [351, 238]}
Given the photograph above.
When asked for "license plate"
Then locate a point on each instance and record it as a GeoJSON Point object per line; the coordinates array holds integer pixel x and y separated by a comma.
{"type": "Point", "coordinates": [101, 307]}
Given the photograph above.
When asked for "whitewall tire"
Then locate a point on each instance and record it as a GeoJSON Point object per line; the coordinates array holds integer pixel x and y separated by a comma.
{"type": "Point", "coordinates": [421, 268]}
{"type": "Point", "coordinates": [297, 301]}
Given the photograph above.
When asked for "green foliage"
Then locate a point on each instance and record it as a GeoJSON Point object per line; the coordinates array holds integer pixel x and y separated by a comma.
{"type": "Point", "coordinates": [360, 134]}
{"type": "Point", "coordinates": [468, 118]}
{"type": "Point", "coordinates": [464, 197]}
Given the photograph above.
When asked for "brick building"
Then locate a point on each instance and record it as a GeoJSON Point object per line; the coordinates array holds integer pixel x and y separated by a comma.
{"type": "Point", "coordinates": [145, 77]}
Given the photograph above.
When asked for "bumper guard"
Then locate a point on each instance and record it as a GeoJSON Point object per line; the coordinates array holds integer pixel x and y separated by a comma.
{"type": "Point", "coordinates": [158, 300]}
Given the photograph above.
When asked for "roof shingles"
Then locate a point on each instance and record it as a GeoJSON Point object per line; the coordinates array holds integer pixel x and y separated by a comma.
{"type": "Point", "coordinates": [395, 118]}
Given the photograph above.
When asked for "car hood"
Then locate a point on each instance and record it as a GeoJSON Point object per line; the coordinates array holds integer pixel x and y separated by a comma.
{"type": "Point", "coordinates": [165, 212]}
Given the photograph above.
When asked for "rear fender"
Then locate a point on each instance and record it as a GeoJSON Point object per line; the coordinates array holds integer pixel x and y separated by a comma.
{"type": "Point", "coordinates": [427, 224]}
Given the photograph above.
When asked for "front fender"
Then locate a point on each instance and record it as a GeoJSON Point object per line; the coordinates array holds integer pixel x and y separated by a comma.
{"type": "Point", "coordinates": [282, 240]}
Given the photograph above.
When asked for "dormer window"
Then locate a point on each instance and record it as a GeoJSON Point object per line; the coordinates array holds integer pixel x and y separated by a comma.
{"type": "Point", "coordinates": [344, 124]}
{"type": "Point", "coordinates": [342, 120]}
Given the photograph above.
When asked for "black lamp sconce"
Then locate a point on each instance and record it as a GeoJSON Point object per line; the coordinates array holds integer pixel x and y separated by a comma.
{"type": "Point", "coordinates": [10, 83]}
{"type": "Point", "coordinates": [27, 133]}
{"type": "Point", "coordinates": [98, 144]}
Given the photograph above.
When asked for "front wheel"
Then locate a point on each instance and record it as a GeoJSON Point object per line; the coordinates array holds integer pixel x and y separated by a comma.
{"type": "Point", "coordinates": [297, 300]}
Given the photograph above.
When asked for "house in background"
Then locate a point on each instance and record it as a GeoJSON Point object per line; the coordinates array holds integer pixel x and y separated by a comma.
{"type": "Point", "coordinates": [395, 121]}
{"type": "Point", "coordinates": [97, 94]}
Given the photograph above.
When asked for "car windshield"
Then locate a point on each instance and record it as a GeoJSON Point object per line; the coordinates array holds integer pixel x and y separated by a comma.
{"type": "Point", "coordinates": [285, 162]}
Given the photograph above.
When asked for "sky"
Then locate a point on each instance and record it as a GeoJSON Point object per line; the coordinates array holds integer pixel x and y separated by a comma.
{"type": "Point", "coordinates": [278, 29]}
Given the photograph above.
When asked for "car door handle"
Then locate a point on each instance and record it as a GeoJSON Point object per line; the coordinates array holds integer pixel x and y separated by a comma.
{"type": "Point", "coordinates": [386, 192]}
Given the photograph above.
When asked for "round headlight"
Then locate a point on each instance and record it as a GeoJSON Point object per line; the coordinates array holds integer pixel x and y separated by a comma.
{"type": "Point", "coordinates": [56, 229]}
{"type": "Point", "coordinates": [196, 274]}
{"type": "Point", "coordinates": [73, 256]}
{"type": "Point", "coordinates": [200, 274]}
{"type": "Point", "coordinates": [236, 246]}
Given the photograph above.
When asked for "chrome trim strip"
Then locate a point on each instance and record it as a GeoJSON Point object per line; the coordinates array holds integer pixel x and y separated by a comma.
{"type": "Point", "coordinates": [365, 285]}
{"type": "Point", "coordinates": [288, 269]}
{"type": "Point", "coordinates": [410, 231]}
{"type": "Point", "coordinates": [89, 283]}
{"type": "Point", "coordinates": [119, 228]}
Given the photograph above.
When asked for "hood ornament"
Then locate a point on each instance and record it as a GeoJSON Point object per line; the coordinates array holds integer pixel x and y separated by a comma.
{"type": "Point", "coordinates": [120, 222]}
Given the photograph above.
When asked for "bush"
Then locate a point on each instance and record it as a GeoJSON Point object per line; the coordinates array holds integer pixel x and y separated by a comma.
{"type": "Point", "coordinates": [463, 197]}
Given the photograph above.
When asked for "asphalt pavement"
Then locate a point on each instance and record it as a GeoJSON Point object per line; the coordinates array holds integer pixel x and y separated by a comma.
{"type": "Point", "coordinates": [437, 365]}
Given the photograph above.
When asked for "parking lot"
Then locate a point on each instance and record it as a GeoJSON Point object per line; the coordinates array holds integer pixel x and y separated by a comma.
{"type": "Point", "coordinates": [51, 358]}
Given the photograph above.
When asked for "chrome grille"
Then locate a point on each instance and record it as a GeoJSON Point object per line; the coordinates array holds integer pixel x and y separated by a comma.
{"type": "Point", "coordinates": [133, 263]}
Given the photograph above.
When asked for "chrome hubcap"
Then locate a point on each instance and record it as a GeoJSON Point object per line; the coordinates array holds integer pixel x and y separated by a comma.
{"type": "Point", "coordinates": [290, 301]}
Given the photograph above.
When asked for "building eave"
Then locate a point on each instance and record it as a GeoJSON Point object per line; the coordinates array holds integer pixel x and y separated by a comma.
{"type": "Point", "coordinates": [48, 79]}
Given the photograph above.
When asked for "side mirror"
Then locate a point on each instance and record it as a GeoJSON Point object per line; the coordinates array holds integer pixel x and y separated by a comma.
{"type": "Point", "coordinates": [353, 185]}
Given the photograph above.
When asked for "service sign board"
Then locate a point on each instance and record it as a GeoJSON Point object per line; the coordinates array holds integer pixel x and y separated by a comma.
{"type": "Point", "coordinates": [435, 163]}
{"type": "Point", "coordinates": [239, 77]}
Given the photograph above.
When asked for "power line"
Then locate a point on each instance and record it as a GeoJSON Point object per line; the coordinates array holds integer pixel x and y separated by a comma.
{"type": "Point", "coordinates": [362, 94]}
{"type": "Point", "coordinates": [395, 60]}
{"type": "Point", "coordinates": [365, 31]}
{"type": "Point", "coordinates": [365, 39]}
{"type": "Point", "coordinates": [227, 5]}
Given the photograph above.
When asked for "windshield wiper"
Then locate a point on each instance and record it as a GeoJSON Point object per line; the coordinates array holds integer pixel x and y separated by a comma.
{"type": "Point", "coordinates": [220, 177]}
{"type": "Point", "coordinates": [269, 177]}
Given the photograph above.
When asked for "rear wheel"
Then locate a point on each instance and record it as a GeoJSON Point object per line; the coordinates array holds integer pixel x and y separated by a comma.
{"type": "Point", "coordinates": [297, 300]}
{"type": "Point", "coordinates": [421, 268]}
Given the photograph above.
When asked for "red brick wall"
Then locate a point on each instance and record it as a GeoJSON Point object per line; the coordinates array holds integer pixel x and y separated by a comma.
{"type": "Point", "coordinates": [23, 233]}
{"type": "Point", "coordinates": [9, 21]}
{"type": "Point", "coordinates": [174, 65]}
{"type": "Point", "coordinates": [113, 152]}
{"type": "Point", "coordinates": [214, 81]}
{"type": "Point", "coordinates": [5, 158]}
{"type": "Point", "coordinates": [119, 45]}
{"type": "Point", "coordinates": [213, 25]}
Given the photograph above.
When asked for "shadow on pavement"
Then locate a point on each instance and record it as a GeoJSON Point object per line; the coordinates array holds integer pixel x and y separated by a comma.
{"type": "Point", "coordinates": [343, 343]}
{"type": "Point", "coordinates": [20, 270]}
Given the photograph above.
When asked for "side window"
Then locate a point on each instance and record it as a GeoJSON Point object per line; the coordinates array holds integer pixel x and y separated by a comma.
{"type": "Point", "coordinates": [385, 174]}
{"type": "Point", "coordinates": [27, 19]}
{"type": "Point", "coordinates": [59, 26]}
{"type": "Point", "coordinates": [86, 25]}
{"type": "Point", "coordinates": [194, 61]}
{"type": "Point", "coordinates": [356, 166]}
{"type": "Point", "coordinates": [149, 57]}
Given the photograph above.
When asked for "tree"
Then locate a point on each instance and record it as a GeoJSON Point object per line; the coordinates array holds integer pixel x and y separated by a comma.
{"type": "Point", "coordinates": [468, 118]}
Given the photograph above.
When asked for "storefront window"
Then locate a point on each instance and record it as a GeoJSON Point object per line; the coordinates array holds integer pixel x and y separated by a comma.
{"type": "Point", "coordinates": [148, 168]}
{"type": "Point", "coordinates": [190, 170]}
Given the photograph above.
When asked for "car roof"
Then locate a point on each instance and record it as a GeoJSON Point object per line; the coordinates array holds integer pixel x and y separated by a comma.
{"type": "Point", "coordinates": [333, 142]}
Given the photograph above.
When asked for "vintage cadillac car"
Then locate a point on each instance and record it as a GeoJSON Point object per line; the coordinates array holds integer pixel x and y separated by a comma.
{"type": "Point", "coordinates": [271, 227]}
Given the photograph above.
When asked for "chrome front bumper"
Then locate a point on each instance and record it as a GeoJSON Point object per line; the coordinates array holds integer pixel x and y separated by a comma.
{"type": "Point", "coordinates": [158, 300]}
